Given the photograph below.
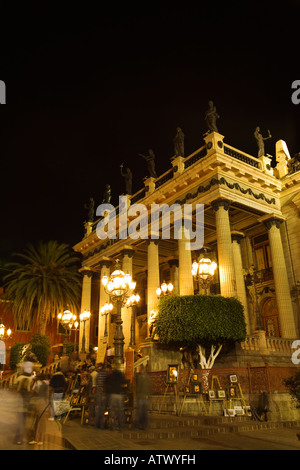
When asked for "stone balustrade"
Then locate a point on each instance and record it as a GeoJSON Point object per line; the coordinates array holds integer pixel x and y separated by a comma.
{"type": "Point", "coordinates": [280, 345]}
{"type": "Point", "coordinates": [9, 381]}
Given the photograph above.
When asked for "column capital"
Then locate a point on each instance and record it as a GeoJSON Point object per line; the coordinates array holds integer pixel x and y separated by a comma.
{"type": "Point", "coordinates": [220, 202]}
{"type": "Point", "coordinates": [152, 240]}
{"type": "Point", "coordinates": [105, 262]}
{"type": "Point", "coordinates": [85, 271]}
{"type": "Point", "coordinates": [127, 251]}
{"type": "Point", "coordinates": [237, 236]}
{"type": "Point", "coordinates": [173, 262]}
{"type": "Point", "coordinates": [271, 219]}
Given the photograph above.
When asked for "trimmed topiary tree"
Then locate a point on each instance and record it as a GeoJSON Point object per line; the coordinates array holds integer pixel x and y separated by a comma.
{"type": "Point", "coordinates": [204, 322]}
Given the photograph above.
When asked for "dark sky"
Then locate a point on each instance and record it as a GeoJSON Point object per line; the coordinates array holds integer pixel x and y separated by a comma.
{"type": "Point", "coordinates": [89, 88]}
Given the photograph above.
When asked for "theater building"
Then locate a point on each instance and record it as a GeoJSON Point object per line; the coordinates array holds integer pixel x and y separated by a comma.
{"type": "Point", "coordinates": [251, 218]}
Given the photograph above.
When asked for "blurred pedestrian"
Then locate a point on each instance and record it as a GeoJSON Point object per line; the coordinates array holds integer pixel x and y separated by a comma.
{"type": "Point", "coordinates": [42, 409]}
{"type": "Point", "coordinates": [28, 365]}
{"type": "Point", "coordinates": [23, 388]}
{"type": "Point", "coordinates": [264, 406]}
{"type": "Point", "coordinates": [58, 386]}
{"type": "Point", "coordinates": [143, 388]}
{"type": "Point", "coordinates": [115, 390]}
{"type": "Point", "coordinates": [101, 396]}
{"type": "Point", "coordinates": [93, 374]}
{"type": "Point", "coordinates": [109, 354]}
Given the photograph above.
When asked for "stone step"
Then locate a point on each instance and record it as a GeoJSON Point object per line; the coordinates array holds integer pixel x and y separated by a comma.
{"type": "Point", "coordinates": [193, 428]}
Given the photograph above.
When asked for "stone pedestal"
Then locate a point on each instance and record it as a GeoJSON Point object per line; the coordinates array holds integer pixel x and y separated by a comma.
{"type": "Point", "coordinates": [160, 356]}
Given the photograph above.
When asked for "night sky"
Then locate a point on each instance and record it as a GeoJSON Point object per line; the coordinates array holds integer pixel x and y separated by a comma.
{"type": "Point", "coordinates": [90, 88]}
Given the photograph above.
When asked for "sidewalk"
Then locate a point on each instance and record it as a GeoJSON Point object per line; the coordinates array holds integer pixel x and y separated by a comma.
{"type": "Point", "coordinates": [174, 434]}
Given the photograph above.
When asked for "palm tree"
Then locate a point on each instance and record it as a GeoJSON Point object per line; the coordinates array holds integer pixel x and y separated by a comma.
{"type": "Point", "coordinates": [45, 282]}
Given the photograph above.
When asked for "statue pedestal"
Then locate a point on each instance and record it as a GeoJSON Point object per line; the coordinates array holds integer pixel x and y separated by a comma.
{"type": "Point", "coordinates": [265, 163]}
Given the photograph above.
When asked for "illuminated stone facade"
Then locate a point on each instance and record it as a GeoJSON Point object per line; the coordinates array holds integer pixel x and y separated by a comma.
{"type": "Point", "coordinates": [251, 217]}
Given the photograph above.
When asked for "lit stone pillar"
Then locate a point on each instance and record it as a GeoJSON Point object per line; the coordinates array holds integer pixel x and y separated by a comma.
{"type": "Point", "coordinates": [153, 281]}
{"type": "Point", "coordinates": [85, 305]}
{"type": "Point", "coordinates": [127, 254]}
{"type": "Point", "coordinates": [247, 252]}
{"type": "Point", "coordinates": [186, 281]}
{"type": "Point", "coordinates": [104, 266]}
{"type": "Point", "coordinates": [173, 263]}
{"type": "Point", "coordinates": [225, 256]}
{"type": "Point", "coordinates": [282, 288]}
{"type": "Point", "coordinates": [239, 276]}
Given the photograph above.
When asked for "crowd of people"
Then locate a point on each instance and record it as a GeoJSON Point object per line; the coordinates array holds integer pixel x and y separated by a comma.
{"type": "Point", "coordinates": [106, 390]}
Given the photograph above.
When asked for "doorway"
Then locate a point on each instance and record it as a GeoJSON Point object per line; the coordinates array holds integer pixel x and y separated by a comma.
{"type": "Point", "coordinates": [270, 317]}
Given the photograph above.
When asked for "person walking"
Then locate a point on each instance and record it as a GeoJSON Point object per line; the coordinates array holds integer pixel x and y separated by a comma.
{"type": "Point", "coordinates": [58, 386]}
{"type": "Point", "coordinates": [115, 391]}
{"type": "Point", "coordinates": [101, 398]}
{"type": "Point", "coordinates": [40, 392]}
{"type": "Point", "coordinates": [143, 388]}
{"type": "Point", "coordinates": [23, 384]}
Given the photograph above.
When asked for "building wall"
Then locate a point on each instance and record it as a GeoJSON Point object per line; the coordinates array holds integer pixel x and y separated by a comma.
{"type": "Point", "coordinates": [240, 193]}
{"type": "Point", "coordinates": [56, 338]}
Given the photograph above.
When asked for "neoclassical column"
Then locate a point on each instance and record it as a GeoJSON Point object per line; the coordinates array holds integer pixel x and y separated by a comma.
{"type": "Point", "coordinates": [153, 281]}
{"type": "Point", "coordinates": [104, 266]}
{"type": "Point", "coordinates": [127, 259]}
{"type": "Point", "coordinates": [225, 255]}
{"type": "Point", "coordinates": [174, 264]}
{"type": "Point", "coordinates": [186, 281]}
{"type": "Point", "coordinates": [86, 295]}
{"type": "Point", "coordinates": [282, 287]}
{"type": "Point", "coordinates": [239, 277]}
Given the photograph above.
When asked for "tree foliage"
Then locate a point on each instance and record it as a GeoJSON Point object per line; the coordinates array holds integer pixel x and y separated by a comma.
{"type": "Point", "coordinates": [293, 385]}
{"type": "Point", "coordinates": [43, 283]}
{"type": "Point", "coordinates": [40, 347]}
{"type": "Point", "coordinates": [200, 320]}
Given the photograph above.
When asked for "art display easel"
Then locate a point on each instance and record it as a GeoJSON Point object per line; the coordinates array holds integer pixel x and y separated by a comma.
{"type": "Point", "coordinates": [78, 400]}
{"type": "Point", "coordinates": [175, 394]}
{"type": "Point", "coordinates": [240, 398]}
{"type": "Point", "coordinates": [219, 398]}
{"type": "Point", "coordinates": [185, 394]}
{"type": "Point", "coordinates": [171, 381]}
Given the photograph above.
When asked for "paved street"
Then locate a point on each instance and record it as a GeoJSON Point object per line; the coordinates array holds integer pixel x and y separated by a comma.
{"type": "Point", "coordinates": [83, 438]}
{"type": "Point", "coordinates": [165, 433]}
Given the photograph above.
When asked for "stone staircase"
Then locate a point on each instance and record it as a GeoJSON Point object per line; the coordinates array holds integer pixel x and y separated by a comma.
{"type": "Point", "coordinates": [163, 426]}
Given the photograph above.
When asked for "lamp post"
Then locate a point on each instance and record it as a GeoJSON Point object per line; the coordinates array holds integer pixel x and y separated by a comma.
{"type": "Point", "coordinates": [105, 310]}
{"type": "Point", "coordinates": [203, 271]}
{"type": "Point", "coordinates": [84, 316]}
{"type": "Point", "coordinates": [5, 333]}
{"type": "Point", "coordinates": [74, 326]}
{"type": "Point", "coordinates": [119, 286]}
{"type": "Point", "coordinates": [66, 319]}
{"type": "Point", "coordinates": [132, 301]}
{"type": "Point", "coordinates": [164, 289]}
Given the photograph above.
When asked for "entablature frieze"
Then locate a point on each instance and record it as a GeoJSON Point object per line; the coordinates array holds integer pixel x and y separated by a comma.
{"type": "Point", "coordinates": [211, 172]}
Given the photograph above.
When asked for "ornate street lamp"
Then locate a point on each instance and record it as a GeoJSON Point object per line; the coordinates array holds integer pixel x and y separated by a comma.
{"type": "Point", "coordinates": [132, 301]}
{"type": "Point", "coordinates": [5, 333]}
{"type": "Point", "coordinates": [84, 317]}
{"type": "Point", "coordinates": [164, 289]}
{"type": "Point", "coordinates": [203, 271]}
{"type": "Point", "coordinates": [119, 286]}
{"type": "Point", "coordinates": [66, 319]}
{"type": "Point", "coordinates": [105, 310]}
{"type": "Point", "coordinates": [74, 326]}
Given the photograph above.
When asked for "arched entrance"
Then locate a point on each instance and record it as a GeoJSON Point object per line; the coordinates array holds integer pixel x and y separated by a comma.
{"type": "Point", "coordinates": [270, 318]}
